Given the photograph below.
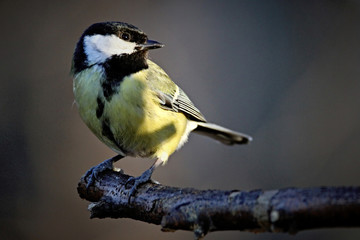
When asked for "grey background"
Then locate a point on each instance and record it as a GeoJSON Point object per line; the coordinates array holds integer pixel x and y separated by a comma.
{"type": "Point", "coordinates": [285, 72]}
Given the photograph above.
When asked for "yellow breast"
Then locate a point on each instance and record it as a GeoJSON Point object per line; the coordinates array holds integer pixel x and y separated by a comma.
{"type": "Point", "coordinates": [136, 119]}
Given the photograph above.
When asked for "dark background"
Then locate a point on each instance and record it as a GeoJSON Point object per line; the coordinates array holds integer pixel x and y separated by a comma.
{"type": "Point", "coordinates": [285, 72]}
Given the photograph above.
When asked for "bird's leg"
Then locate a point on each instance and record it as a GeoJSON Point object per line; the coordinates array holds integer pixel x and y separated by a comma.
{"type": "Point", "coordinates": [143, 178]}
{"type": "Point", "coordinates": [94, 172]}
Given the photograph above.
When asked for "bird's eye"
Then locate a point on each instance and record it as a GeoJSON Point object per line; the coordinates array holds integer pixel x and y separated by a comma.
{"type": "Point", "coordinates": [125, 36]}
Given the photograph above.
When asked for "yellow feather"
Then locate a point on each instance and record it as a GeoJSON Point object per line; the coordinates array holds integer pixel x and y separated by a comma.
{"type": "Point", "coordinates": [136, 118]}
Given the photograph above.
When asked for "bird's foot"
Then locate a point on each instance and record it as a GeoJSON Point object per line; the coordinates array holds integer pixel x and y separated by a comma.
{"type": "Point", "coordinates": [93, 173]}
{"type": "Point", "coordinates": [137, 182]}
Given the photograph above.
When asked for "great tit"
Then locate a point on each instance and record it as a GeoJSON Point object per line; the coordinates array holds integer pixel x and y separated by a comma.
{"type": "Point", "coordinates": [130, 103]}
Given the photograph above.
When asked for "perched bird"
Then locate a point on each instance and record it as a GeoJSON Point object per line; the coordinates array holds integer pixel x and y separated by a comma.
{"type": "Point", "coordinates": [130, 103]}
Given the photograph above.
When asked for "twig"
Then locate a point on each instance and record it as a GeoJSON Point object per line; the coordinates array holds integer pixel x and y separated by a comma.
{"type": "Point", "coordinates": [202, 211]}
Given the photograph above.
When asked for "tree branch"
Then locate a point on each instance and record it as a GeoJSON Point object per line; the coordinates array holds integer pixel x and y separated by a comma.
{"type": "Point", "coordinates": [202, 211]}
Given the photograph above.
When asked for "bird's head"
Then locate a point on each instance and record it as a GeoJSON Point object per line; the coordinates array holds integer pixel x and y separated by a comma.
{"type": "Point", "coordinates": [102, 41]}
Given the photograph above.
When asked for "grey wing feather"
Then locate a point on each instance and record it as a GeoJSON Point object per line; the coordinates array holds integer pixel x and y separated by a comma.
{"type": "Point", "coordinates": [180, 102]}
{"type": "Point", "coordinates": [223, 135]}
{"type": "Point", "coordinates": [166, 102]}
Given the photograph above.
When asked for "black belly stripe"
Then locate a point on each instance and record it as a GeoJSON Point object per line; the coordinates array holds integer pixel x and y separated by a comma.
{"type": "Point", "coordinates": [118, 67]}
{"type": "Point", "coordinates": [106, 132]}
{"type": "Point", "coordinates": [100, 107]}
{"type": "Point", "coordinates": [110, 88]}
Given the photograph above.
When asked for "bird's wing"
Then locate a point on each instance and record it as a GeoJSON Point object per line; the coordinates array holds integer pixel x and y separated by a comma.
{"type": "Point", "coordinates": [180, 102]}
{"type": "Point", "coordinates": [171, 97]}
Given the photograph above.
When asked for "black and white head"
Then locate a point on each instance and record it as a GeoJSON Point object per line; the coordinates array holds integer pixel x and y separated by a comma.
{"type": "Point", "coordinates": [116, 42]}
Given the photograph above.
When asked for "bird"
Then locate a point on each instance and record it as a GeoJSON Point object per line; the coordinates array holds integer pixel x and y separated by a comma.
{"type": "Point", "coordinates": [130, 103]}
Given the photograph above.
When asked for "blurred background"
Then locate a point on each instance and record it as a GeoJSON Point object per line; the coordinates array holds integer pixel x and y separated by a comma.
{"type": "Point", "coordinates": [285, 72]}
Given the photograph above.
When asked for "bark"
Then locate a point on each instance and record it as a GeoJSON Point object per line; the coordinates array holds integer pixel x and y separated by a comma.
{"type": "Point", "coordinates": [202, 211]}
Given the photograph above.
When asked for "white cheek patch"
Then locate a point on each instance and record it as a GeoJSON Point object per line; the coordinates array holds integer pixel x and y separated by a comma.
{"type": "Point", "coordinates": [98, 47]}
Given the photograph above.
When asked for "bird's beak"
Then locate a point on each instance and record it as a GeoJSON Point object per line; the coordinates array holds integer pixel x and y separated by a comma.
{"type": "Point", "coordinates": [150, 44]}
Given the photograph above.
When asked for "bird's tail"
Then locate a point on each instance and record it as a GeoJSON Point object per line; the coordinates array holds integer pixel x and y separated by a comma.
{"type": "Point", "coordinates": [224, 135]}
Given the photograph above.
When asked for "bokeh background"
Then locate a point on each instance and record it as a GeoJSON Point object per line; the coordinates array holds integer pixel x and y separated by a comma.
{"type": "Point", "coordinates": [285, 72]}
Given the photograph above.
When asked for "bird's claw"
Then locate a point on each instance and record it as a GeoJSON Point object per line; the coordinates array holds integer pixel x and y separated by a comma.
{"type": "Point", "coordinates": [138, 181]}
{"type": "Point", "coordinates": [93, 173]}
